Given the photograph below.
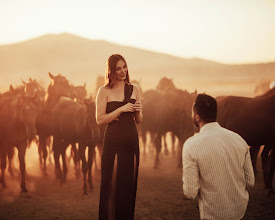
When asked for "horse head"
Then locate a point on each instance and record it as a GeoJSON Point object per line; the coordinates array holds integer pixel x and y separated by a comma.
{"type": "Point", "coordinates": [33, 88]}
{"type": "Point", "coordinates": [26, 113]}
{"type": "Point", "coordinates": [60, 86]}
{"type": "Point", "coordinates": [166, 84]}
{"type": "Point", "coordinates": [81, 92]}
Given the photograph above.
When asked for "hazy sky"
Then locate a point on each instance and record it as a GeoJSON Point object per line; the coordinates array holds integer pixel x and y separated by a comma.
{"type": "Point", "coordinates": [229, 31]}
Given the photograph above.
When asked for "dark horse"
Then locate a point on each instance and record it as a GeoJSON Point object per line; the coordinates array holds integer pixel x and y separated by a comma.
{"type": "Point", "coordinates": [31, 88]}
{"type": "Point", "coordinates": [252, 118]}
{"type": "Point", "coordinates": [59, 87]}
{"type": "Point", "coordinates": [17, 128]}
{"type": "Point", "coordinates": [74, 123]}
{"type": "Point", "coordinates": [168, 111]}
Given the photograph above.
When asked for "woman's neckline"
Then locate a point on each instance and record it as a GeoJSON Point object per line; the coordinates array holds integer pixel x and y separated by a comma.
{"type": "Point", "coordinates": [124, 94]}
{"type": "Point", "coordinates": [118, 101]}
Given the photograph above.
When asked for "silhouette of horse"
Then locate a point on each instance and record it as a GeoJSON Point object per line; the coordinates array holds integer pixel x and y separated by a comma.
{"type": "Point", "coordinates": [81, 92]}
{"type": "Point", "coordinates": [59, 87]}
{"type": "Point", "coordinates": [167, 112]}
{"type": "Point", "coordinates": [30, 89]}
{"type": "Point", "coordinates": [17, 128]}
{"type": "Point", "coordinates": [252, 118]}
{"type": "Point", "coordinates": [166, 85]}
{"type": "Point", "coordinates": [74, 123]}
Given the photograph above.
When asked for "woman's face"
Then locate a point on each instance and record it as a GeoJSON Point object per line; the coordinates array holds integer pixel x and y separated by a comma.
{"type": "Point", "coordinates": [121, 70]}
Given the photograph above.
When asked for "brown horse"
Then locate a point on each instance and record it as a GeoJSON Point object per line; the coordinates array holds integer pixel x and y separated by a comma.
{"type": "Point", "coordinates": [74, 123]}
{"type": "Point", "coordinates": [29, 89]}
{"type": "Point", "coordinates": [252, 118]}
{"type": "Point", "coordinates": [59, 87]}
{"type": "Point", "coordinates": [167, 85]}
{"type": "Point", "coordinates": [17, 128]}
{"type": "Point", "coordinates": [81, 93]}
{"type": "Point", "coordinates": [167, 112]}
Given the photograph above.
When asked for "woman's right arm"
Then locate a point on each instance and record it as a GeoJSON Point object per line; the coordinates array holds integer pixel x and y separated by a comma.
{"type": "Point", "coordinates": [101, 103]}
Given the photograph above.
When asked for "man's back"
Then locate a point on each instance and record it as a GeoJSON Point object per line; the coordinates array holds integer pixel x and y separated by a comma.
{"type": "Point", "coordinates": [217, 164]}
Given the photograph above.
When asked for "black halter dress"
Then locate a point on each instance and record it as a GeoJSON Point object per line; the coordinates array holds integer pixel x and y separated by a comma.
{"type": "Point", "coordinates": [121, 140]}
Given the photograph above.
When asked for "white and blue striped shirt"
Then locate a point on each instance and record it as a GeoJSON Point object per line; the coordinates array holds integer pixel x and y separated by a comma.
{"type": "Point", "coordinates": [217, 168]}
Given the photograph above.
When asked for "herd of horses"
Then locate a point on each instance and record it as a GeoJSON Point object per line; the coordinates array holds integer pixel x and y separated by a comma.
{"type": "Point", "coordinates": [29, 113]}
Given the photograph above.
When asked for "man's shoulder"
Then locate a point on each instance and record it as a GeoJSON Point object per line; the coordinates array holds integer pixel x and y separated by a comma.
{"type": "Point", "coordinates": [192, 141]}
{"type": "Point", "coordinates": [234, 135]}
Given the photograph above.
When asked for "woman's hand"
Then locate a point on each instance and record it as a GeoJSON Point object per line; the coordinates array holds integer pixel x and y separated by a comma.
{"type": "Point", "coordinates": [129, 107]}
{"type": "Point", "coordinates": [138, 106]}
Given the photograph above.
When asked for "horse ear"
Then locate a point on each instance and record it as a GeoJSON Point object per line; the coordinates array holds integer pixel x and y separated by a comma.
{"type": "Point", "coordinates": [30, 79]}
{"type": "Point", "coordinates": [51, 76]}
{"type": "Point", "coordinates": [85, 85]}
{"type": "Point", "coordinates": [11, 88]}
{"type": "Point", "coordinates": [24, 82]}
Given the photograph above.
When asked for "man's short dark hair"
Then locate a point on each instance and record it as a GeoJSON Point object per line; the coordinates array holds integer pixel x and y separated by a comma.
{"type": "Point", "coordinates": [206, 107]}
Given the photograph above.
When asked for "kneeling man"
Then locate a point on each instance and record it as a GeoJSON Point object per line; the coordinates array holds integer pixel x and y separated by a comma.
{"type": "Point", "coordinates": [217, 168]}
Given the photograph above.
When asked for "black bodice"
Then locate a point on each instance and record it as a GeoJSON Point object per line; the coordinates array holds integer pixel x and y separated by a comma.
{"type": "Point", "coordinates": [121, 134]}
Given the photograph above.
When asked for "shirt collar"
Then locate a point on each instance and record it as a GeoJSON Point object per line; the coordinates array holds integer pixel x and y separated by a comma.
{"type": "Point", "coordinates": [209, 126]}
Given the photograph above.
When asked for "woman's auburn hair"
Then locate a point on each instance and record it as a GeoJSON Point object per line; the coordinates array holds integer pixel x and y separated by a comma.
{"type": "Point", "coordinates": [110, 74]}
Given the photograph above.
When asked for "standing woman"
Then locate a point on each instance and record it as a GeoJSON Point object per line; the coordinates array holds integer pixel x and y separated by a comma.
{"type": "Point", "coordinates": [118, 105]}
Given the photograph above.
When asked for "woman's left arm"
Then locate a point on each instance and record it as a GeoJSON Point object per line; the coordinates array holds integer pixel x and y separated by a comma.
{"type": "Point", "coordinates": [138, 106]}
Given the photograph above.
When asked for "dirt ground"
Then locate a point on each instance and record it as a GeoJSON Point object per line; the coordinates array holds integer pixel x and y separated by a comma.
{"type": "Point", "coordinates": [159, 194]}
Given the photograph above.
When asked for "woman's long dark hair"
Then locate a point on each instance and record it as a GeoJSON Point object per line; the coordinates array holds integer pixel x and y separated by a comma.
{"type": "Point", "coordinates": [110, 75]}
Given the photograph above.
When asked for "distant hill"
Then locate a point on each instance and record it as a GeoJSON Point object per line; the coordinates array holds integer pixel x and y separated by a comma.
{"type": "Point", "coordinates": [82, 60]}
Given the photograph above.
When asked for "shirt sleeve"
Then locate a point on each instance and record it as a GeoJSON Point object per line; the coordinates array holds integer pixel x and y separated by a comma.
{"type": "Point", "coordinates": [248, 170]}
{"type": "Point", "coordinates": [190, 176]}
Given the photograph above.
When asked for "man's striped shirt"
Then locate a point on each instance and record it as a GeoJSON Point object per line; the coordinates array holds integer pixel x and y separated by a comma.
{"type": "Point", "coordinates": [217, 168]}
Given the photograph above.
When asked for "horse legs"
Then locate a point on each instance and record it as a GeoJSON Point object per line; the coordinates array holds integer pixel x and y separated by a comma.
{"type": "Point", "coordinates": [158, 149]}
{"type": "Point", "coordinates": [153, 137]}
{"type": "Point", "coordinates": [64, 146]}
{"type": "Point", "coordinates": [76, 160]}
{"type": "Point", "coordinates": [42, 148]}
{"type": "Point", "coordinates": [40, 155]}
{"type": "Point", "coordinates": [3, 168]}
{"type": "Point", "coordinates": [265, 160]}
{"type": "Point", "coordinates": [56, 150]}
{"type": "Point", "coordinates": [21, 154]}
{"type": "Point", "coordinates": [254, 150]}
{"type": "Point", "coordinates": [91, 154]}
{"type": "Point", "coordinates": [271, 170]}
{"type": "Point", "coordinates": [82, 149]}
{"type": "Point", "coordinates": [144, 139]}
{"type": "Point", "coordinates": [10, 157]}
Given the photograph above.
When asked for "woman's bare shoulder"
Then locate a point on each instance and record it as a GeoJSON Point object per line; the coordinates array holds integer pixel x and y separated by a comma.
{"type": "Point", "coordinates": [104, 89]}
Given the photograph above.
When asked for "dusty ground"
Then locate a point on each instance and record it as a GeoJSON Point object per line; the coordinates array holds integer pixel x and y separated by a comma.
{"type": "Point", "coordinates": [159, 194]}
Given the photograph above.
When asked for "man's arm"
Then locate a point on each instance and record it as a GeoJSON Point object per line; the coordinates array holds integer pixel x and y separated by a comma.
{"type": "Point", "coordinates": [190, 177]}
{"type": "Point", "coordinates": [248, 170]}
